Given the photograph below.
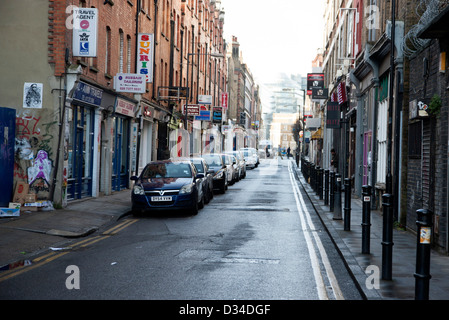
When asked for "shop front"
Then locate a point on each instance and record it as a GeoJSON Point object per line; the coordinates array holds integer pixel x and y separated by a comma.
{"type": "Point", "coordinates": [79, 138]}
{"type": "Point", "coordinates": [121, 145]}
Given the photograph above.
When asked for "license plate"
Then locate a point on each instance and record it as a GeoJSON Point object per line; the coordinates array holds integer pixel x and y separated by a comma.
{"type": "Point", "coordinates": [161, 199]}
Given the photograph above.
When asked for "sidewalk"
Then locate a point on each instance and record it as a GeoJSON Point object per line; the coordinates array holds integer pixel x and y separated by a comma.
{"type": "Point", "coordinates": [349, 243]}
{"type": "Point", "coordinates": [34, 232]}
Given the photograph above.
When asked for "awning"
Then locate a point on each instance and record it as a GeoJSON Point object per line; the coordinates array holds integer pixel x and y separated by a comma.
{"type": "Point", "coordinates": [317, 135]}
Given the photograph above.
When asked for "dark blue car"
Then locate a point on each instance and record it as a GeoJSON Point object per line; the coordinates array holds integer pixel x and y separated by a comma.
{"type": "Point", "coordinates": [167, 185]}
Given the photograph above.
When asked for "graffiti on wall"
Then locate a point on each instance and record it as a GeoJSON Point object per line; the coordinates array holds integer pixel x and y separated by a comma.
{"type": "Point", "coordinates": [33, 151]}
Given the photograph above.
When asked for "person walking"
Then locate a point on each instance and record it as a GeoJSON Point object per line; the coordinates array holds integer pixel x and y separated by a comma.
{"type": "Point", "coordinates": [334, 160]}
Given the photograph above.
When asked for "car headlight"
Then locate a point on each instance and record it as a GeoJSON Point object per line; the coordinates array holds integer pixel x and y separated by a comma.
{"type": "Point", "coordinates": [188, 188]}
{"type": "Point", "coordinates": [219, 175]}
{"type": "Point", "coordinates": [138, 190]}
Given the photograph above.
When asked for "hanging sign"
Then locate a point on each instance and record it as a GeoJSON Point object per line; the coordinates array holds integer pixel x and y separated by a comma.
{"type": "Point", "coordinates": [130, 82]}
{"type": "Point", "coordinates": [85, 32]}
{"type": "Point", "coordinates": [314, 80]}
{"type": "Point", "coordinates": [217, 114]}
{"type": "Point", "coordinates": [224, 100]}
{"type": "Point", "coordinates": [145, 55]}
{"type": "Point", "coordinates": [333, 115]}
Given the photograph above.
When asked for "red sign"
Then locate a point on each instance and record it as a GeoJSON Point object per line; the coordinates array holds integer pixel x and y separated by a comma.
{"type": "Point", "coordinates": [224, 100]}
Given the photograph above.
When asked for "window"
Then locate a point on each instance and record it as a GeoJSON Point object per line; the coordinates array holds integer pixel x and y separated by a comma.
{"type": "Point", "coordinates": [128, 59]}
{"type": "Point", "coordinates": [121, 53]}
{"type": "Point", "coordinates": [107, 61]}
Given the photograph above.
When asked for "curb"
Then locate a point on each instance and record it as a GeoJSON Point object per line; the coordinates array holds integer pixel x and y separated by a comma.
{"type": "Point", "coordinates": [355, 270]}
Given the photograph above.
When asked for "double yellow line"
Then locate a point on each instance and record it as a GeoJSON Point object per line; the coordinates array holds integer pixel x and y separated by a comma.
{"type": "Point", "coordinates": [53, 255]}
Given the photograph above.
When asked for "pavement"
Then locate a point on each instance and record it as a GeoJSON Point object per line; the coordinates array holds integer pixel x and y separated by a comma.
{"type": "Point", "coordinates": [349, 245]}
{"type": "Point", "coordinates": [25, 237]}
{"type": "Point", "coordinates": [32, 233]}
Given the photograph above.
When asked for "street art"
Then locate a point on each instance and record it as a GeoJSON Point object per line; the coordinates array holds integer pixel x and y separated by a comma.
{"type": "Point", "coordinates": [33, 150]}
{"type": "Point", "coordinates": [40, 172]}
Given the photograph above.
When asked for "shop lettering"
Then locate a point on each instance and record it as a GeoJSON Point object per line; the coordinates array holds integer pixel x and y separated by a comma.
{"type": "Point", "coordinates": [144, 57]}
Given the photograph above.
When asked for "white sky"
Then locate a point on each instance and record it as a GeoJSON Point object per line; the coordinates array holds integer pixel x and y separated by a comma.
{"type": "Point", "coordinates": [275, 35]}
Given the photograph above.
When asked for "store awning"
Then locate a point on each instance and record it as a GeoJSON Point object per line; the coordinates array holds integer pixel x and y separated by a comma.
{"type": "Point", "coordinates": [317, 135]}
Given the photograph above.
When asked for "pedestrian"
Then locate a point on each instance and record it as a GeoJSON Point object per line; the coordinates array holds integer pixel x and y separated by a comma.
{"type": "Point", "coordinates": [334, 160]}
{"type": "Point", "coordinates": [288, 152]}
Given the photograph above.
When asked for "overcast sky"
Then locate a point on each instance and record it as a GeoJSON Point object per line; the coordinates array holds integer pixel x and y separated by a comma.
{"type": "Point", "coordinates": [275, 35]}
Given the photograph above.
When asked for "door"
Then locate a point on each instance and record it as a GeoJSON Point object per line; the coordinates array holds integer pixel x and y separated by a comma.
{"type": "Point", "coordinates": [80, 151]}
{"type": "Point", "coordinates": [7, 141]}
{"type": "Point", "coordinates": [120, 158]}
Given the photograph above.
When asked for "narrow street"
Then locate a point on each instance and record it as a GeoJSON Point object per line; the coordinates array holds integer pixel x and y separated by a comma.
{"type": "Point", "coordinates": [260, 240]}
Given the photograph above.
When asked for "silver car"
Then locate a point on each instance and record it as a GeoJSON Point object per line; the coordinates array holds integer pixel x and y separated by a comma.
{"type": "Point", "coordinates": [240, 161]}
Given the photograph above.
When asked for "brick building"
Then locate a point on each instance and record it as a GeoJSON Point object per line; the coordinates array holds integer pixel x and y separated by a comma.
{"type": "Point", "coordinates": [92, 136]}
{"type": "Point", "coordinates": [427, 178]}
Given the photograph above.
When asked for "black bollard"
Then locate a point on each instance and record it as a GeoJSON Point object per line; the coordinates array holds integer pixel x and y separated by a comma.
{"type": "Point", "coordinates": [317, 181]}
{"type": "Point", "coordinates": [347, 210]}
{"type": "Point", "coordinates": [337, 197]}
{"type": "Point", "coordinates": [326, 187]}
{"type": "Point", "coordinates": [422, 275]}
{"type": "Point", "coordinates": [332, 191]}
{"type": "Point", "coordinates": [366, 219]}
{"type": "Point", "coordinates": [320, 183]}
{"type": "Point", "coordinates": [312, 176]}
{"type": "Point", "coordinates": [387, 237]}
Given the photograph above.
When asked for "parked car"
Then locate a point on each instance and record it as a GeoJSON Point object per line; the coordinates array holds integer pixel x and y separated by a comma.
{"type": "Point", "coordinates": [251, 157]}
{"type": "Point", "coordinates": [235, 166]}
{"type": "Point", "coordinates": [208, 180]}
{"type": "Point", "coordinates": [229, 161]}
{"type": "Point", "coordinates": [240, 161]}
{"type": "Point", "coordinates": [220, 175]}
{"type": "Point", "coordinates": [167, 185]}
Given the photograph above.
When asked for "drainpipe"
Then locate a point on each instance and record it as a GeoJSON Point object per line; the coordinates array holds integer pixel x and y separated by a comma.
{"type": "Point", "coordinates": [375, 81]}
{"type": "Point", "coordinates": [359, 140]}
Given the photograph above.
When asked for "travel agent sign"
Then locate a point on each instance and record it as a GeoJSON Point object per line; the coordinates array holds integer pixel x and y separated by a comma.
{"type": "Point", "coordinates": [85, 32]}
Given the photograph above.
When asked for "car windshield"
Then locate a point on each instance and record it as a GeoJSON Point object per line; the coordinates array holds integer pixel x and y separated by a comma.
{"type": "Point", "coordinates": [198, 165]}
{"type": "Point", "coordinates": [167, 170]}
{"type": "Point", "coordinates": [212, 159]}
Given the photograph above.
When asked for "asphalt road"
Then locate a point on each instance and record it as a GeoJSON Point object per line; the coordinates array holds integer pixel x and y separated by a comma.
{"type": "Point", "coordinates": [259, 241]}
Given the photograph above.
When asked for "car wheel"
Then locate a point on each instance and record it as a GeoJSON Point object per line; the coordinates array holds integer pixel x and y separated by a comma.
{"type": "Point", "coordinates": [223, 187]}
{"type": "Point", "coordinates": [201, 203]}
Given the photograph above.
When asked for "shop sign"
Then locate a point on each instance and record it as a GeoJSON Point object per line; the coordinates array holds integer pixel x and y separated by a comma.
{"type": "Point", "coordinates": [130, 82]}
{"type": "Point", "coordinates": [320, 93]}
{"type": "Point", "coordinates": [224, 100]}
{"type": "Point", "coordinates": [314, 80]}
{"type": "Point", "coordinates": [333, 115]}
{"type": "Point", "coordinates": [204, 99]}
{"type": "Point", "coordinates": [204, 114]}
{"type": "Point", "coordinates": [88, 94]}
{"type": "Point", "coordinates": [85, 31]}
{"type": "Point", "coordinates": [145, 54]}
{"type": "Point", "coordinates": [192, 110]}
{"type": "Point", "coordinates": [125, 107]}
{"type": "Point", "coordinates": [217, 115]}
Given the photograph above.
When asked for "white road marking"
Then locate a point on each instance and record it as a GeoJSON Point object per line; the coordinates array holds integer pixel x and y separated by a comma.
{"type": "Point", "coordinates": [305, 216]}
